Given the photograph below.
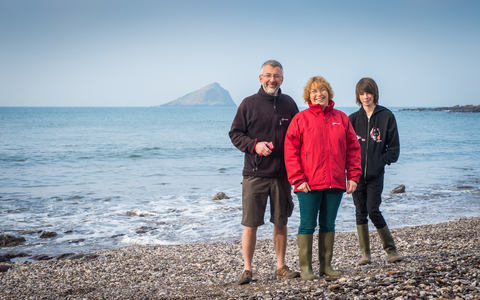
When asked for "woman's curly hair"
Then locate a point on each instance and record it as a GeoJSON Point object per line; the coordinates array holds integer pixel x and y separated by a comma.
{"type": "Point", "coordinates": [319, 81]}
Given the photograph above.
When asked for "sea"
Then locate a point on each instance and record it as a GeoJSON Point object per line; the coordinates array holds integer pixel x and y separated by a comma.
{"type": "Point", "coordinates": [104, 178]}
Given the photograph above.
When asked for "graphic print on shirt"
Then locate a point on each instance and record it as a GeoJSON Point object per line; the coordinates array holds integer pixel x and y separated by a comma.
{"type": "Point", "coordinates": [375, 135]}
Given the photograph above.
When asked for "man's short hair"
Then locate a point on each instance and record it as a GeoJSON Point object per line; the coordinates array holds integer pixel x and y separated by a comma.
{"type": "Point", "coordinates": [369, 86]}
{"type": "Point", "coordinates": [272, 63]}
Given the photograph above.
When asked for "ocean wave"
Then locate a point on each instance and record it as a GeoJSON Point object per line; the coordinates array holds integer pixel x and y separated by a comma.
{"type": "Point", "coordinates": [14, 159]}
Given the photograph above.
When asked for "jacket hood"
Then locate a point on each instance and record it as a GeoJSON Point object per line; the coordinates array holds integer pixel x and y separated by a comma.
{"type": "Point", "coordinates": [377, 109]}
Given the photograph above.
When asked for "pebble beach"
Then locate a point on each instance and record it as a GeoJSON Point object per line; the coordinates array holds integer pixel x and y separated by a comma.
{"type": "Point", "coordinates": [441, 261]}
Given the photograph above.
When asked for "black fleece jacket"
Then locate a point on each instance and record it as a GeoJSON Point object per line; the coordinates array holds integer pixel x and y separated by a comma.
{"type": "Point", "coordinates": [378, 138]}
{"type": "Point", "coordinates": [263, 118]}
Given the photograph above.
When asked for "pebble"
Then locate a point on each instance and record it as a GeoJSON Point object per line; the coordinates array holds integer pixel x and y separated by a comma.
{"type": "Point", "coordinates": [440, 261]}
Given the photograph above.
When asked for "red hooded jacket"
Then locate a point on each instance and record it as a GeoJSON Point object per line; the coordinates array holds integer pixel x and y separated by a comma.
{"type": "Point", "coordinates": [320, 146]}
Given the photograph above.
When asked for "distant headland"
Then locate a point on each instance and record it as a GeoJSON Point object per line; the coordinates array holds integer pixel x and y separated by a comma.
{"type": "Point", "coordinates": [210, 95]}
{"type": "Point", "coordinates": [457, 108]}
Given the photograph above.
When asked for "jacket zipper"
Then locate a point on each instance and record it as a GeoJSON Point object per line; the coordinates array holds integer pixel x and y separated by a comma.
{"type": "Point", "coordinates": [367, 137]}
{"type": "Point", "coordinates": [327, 131]}
{"type": "Point", "coordinates": [275, 118]}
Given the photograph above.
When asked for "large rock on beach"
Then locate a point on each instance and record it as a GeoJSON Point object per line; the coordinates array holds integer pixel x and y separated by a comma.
{"type": "Point", "coordinates": [6, 257]}
{"type": "Point", "coordinates": [41, 257]}
{"type": "Point", "coordinates": [4, 268]}
{"type": "Point", "coordinates": [7, 240]}
{"type": "Point", "coordinates": [64, 256]}
{"type": "Point", "coordinates": [398, 190]}
{"type": "Point", "coordinates": [220, 196]}
{"type": "Point", "coordinates": [210, 95]}
{"type": "Point", "coordinates": [48, 234]}
{"type": "Point", "coordinates": [21, 254]}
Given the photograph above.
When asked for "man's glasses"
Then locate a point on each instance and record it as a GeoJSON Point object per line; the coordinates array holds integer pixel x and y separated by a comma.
{"type": "Point", "coordinates": [269, 76]}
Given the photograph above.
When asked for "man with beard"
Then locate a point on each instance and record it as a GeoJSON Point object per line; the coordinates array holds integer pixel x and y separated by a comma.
{"type": "Point", "coordinates": [258, 130]}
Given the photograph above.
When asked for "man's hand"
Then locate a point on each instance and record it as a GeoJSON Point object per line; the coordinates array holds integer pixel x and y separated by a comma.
{"type": "Point", "coordinates": [262, 149]}
{"type": "Point", "coordinates": [351, 186]}
{"type": "Point", "coordinates": [304, 187]}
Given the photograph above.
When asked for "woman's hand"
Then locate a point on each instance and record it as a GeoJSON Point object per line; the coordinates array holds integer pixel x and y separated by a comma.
{"type": "Point", "coordinates": [304, 187]}
{"type": "Point", "coordinates": [351, 186]}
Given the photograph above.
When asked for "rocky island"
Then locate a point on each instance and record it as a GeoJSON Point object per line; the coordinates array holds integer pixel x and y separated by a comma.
{"type": "Point", "coordinates": [210, 95]}
{"type": "Point", "coordinates": [457, 108]}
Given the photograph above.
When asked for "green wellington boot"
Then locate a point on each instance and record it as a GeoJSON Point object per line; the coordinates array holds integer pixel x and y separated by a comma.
{"type": "Point", "coordinates": [305, 242]}
{"type": "Point", "coordinates": [389, 244]}
{"type": "Point", "coordinates": [325, 253]}
{"type": "Point", "coordinates": [364, 241]}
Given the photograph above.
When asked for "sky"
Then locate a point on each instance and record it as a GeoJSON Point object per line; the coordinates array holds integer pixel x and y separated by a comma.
{"type": "Point", "coordinates": [421, 53]}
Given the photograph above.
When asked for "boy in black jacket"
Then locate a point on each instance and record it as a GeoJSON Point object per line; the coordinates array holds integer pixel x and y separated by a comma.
{"type": "Point", "coordinates": [377, 134]}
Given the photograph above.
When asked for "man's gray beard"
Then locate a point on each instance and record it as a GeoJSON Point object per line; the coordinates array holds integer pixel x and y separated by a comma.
{"type": "Point", "coordinates": [270, 91]}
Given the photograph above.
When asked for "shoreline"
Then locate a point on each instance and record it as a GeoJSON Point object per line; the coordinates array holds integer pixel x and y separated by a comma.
{"type": "Point", "coordinates": [440, 261]}
{"type": "Point", "coordinates": [414, 210]}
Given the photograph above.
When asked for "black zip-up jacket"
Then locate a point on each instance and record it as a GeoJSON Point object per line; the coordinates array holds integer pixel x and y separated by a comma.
{"type": "Point", "coordinates": [263, 117]}
{"type": "Point", "coordinates": [378, 138]}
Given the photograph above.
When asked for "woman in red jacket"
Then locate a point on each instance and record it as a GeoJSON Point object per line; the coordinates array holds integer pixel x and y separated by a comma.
{"type": "Point", "coordinates": [322, 156]}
